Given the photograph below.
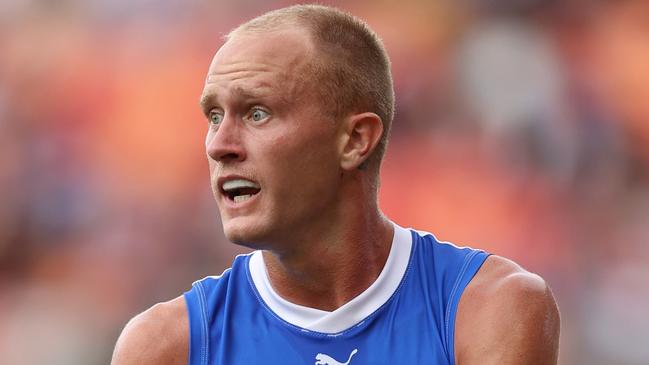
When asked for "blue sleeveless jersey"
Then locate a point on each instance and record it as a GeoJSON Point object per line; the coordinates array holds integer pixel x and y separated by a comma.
{"type": "Point", "coordinates": [231, 324]}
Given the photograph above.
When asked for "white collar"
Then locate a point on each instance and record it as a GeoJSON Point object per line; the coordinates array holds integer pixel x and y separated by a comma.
{"type": "Point", "coordinates": [352, 312]}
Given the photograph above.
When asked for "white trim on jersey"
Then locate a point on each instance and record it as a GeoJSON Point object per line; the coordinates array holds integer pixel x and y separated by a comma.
{"type": "Point", "coordinates": [351, 313]}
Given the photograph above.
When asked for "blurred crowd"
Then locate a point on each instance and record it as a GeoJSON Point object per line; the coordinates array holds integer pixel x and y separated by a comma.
{"type": "Point", "coordinates": [522, 127]}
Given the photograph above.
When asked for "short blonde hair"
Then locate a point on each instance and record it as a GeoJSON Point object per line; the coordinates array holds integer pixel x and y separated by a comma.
{"type": "Point", "coordinates": [351, 69]}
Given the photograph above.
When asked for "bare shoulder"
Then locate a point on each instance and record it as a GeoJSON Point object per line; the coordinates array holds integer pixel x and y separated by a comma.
{"type": "Point", "coordinates": [159, 335]}
{"type": "Point", "coordinates": [506, 315]}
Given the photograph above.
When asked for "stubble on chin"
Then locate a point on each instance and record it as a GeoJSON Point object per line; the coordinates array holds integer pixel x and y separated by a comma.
{"type": "Point", "coordinates": [250, 237]}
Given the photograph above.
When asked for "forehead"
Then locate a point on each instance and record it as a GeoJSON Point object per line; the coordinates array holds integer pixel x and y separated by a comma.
{"type": "Point", "coordinates": [253, 62]}
{"type": "Point", "coordinates": [280, 47]}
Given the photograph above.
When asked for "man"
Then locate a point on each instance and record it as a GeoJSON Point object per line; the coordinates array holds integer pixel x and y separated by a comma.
{"type": "Point", "coordinates": [299, 103]}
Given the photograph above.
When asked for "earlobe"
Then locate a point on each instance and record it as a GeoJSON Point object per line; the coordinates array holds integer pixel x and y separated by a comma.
{"type": "Point", "coordinates": [361, 134]}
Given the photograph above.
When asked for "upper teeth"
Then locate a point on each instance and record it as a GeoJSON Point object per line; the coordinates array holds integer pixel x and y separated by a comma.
{"type": "Point", "coordinates": [238, 184]}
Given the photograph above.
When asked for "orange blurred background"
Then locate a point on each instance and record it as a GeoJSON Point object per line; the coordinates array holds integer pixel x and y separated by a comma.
{"type": "Point", "coordinates": [522, 127]}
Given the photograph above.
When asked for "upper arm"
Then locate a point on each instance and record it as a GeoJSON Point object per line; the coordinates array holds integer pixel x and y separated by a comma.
{"type": "Point", "coordinates": [506, 316]}
{"type": "Point", "coordinates": [159, 335]}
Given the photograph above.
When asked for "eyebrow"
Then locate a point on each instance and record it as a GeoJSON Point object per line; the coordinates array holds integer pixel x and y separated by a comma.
{"type": "Point", "coordinates": [238, 91]}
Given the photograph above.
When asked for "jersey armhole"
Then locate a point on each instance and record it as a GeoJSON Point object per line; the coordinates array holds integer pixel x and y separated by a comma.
{"type": "Point", "coordinates": [471, 265]}
{"type": "Point", "coordinates": [198, 331]}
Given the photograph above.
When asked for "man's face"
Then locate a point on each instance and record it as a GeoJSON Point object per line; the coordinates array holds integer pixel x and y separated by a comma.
{"type": "Point", "coordinates": [273, 155]}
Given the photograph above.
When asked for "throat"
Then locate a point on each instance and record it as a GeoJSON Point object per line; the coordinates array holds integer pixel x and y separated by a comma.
{"type": "Point", "coordinates": [327, 280]}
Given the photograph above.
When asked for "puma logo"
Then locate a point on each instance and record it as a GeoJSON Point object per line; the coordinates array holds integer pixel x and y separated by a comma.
{"type": "Point", "coordinates": [322, 359]}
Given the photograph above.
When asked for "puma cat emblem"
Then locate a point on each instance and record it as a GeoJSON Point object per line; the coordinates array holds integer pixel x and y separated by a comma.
{"type": "Point", "coordinates": [323, 359]}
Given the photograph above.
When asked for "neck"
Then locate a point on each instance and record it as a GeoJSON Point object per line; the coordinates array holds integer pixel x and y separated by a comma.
{"type": "Point", "coordinates": [333, 264]}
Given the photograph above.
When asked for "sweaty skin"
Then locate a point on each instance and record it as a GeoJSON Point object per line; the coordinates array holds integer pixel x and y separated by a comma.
{"type": "Point", "coordinates": [316, 215]}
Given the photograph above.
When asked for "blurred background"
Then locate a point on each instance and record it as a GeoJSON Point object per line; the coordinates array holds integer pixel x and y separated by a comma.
{"type": "Point", "coordinates": [522, 127]}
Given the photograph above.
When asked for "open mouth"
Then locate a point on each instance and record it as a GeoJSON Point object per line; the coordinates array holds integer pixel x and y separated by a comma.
{"type": "Point", "coordinates": [240, 190]}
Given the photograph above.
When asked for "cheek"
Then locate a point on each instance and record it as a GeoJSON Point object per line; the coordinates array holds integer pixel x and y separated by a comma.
{"type": "Point", "coordinates": [305, 152]}
{"type": "Point", "coordinates": [301, 161]}
{"type": "Point", "coordinates": [310, 168]}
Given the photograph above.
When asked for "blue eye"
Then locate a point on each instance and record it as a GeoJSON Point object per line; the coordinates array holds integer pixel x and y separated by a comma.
{"type": "Point", "coordinates": [215, 118]}
{"type": "Point", "coordinates": [258, 115]}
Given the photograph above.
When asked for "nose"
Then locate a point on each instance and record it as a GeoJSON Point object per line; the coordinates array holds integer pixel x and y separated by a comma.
{"type": "Point", "coordinates": [225, 143]}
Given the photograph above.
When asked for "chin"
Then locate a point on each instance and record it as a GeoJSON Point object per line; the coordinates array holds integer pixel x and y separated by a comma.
{"type": "Point", "coordinates": [244, 233]}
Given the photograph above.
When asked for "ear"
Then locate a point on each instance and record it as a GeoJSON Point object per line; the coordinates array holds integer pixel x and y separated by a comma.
{"type": "Point", "coordinates": [360, 135]}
